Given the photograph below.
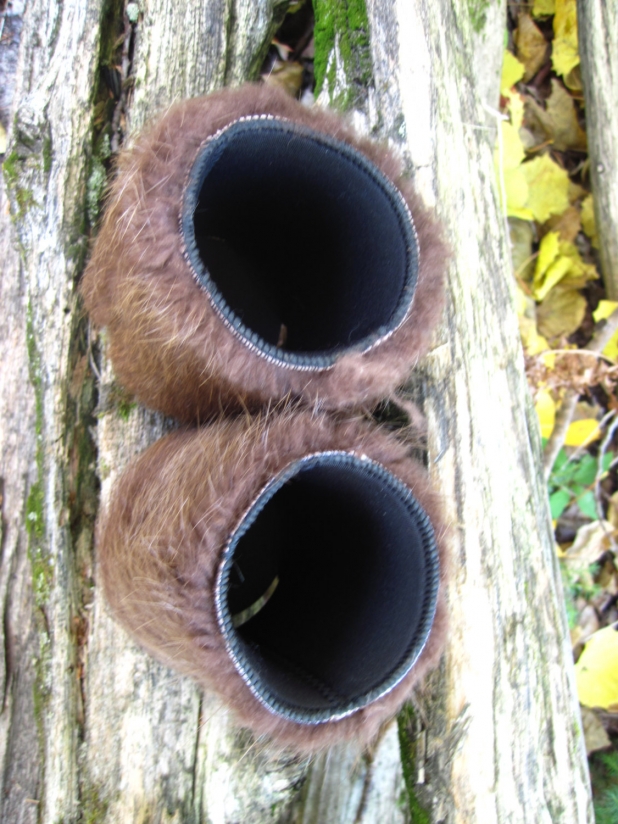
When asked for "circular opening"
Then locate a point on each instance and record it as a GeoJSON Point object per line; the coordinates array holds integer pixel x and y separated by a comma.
{"type": "Point", "coordinates": [328, 588]}
{"type": "Point", "coordinates": [304, 246]}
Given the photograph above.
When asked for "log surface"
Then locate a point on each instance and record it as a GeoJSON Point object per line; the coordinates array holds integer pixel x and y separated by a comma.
{"type": "Point", "coordinates": [598, 48]}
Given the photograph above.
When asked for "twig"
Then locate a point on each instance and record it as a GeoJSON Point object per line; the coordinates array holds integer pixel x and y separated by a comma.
{"type": "Point", "coordinates": [558, 435]}
{"type": "Point", "coordinates": [563, 419]}
{"type": "Point", "coordinates": [611, 431]}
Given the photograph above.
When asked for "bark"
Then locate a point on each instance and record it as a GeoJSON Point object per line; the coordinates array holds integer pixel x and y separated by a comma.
{"type": "Point", "coordinates": [91, 728]}
{"type": "Point", "coordinates": [598, 47]}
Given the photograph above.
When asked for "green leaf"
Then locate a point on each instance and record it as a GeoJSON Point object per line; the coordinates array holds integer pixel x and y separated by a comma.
{"type": "Point", "coordinates": [558, 502]}
{"type": "Point", "coordinates": [588, 506]}
{"type": "Point", "coordinates": [561, 459]}
{"type": "Point", "coordinates": [586, 470]}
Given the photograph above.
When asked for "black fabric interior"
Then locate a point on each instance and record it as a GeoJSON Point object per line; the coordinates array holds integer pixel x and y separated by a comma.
{"type": "Point", "coordinates": [305, 247]}
{"type": "Point", "coordinates": [352, 566]}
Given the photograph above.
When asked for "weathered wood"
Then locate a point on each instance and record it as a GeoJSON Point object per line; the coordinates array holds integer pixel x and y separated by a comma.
{"type": "Point", "coordinates": [92, 729]}
{"type": "Point", "coordinates": [598, 48]}
{"type": "Point", "coordinates": [503, 736]}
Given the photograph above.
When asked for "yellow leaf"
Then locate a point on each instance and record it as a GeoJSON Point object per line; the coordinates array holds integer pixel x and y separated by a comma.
{"type": "Point", "coordinates": [556, 272]}
{"type": "Point", "coordinates": [596, 672]}
{"type": "Point", "coordinates": [549, 359]}
{"type": "Point", "coordinates": [550, 267]}
{"type": "Point", "coordinates": [516, 188]}
{"type": "Point", "coordinates": [532, 342]}
{"type": "Point", "coordinates": [588, 221]}
{"type": "Point", "coordinates": [565, 54]}
{"type": "Point", "coordinates": [582, 432]}
{"type": "Point", "coordinates": [531, 45]}
{"type": "Point", "coordinates": [512, 71]}
{"type": "Point", "coordinates": [543, 8]}
{"type": "Point", "coordinates": [548, 186]}
{"type": "Point", "coordinates": [548, 252]}
{"type": "Point", "coordinates": [515, 107]}
{"type": "Point", "coordinates": [546, 411]}
{"type": "Point", "coordinates": [579, 273]}
{"type": "Point", "coordinates": [2, 139]}
{"type": "Point", "coordinates": [561, 313]}
{"type": "Point", "coordinates": [512, 148]}
{"type": "Point", "coordinates": [611, 350]}
{"type": "Point", "coordinates": [604, 310]}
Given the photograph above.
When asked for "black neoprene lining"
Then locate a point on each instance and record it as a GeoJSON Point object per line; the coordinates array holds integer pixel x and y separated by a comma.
{"type": "Point", "coordinates": [357, 567]}
{"type": "Point", "coordinates": [304, 246]}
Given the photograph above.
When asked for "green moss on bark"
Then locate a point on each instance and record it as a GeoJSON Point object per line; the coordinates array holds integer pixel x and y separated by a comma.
{"type": "Point", "coordinates": [342, 46]}
{"type": "Point", "coordinates": [408, 750]}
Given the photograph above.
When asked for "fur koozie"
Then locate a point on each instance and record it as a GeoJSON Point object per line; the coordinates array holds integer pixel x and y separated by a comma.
{"type": "Point", "coordinates": [254, 249]}
{"type": "Point", "coordinates": [291, 563]}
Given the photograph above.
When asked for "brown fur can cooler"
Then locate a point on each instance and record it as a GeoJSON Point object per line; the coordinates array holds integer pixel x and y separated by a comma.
{"type": "Point", "coordinates": [292, 563]}
{"type": "Point", "coordinates": [253, 249]}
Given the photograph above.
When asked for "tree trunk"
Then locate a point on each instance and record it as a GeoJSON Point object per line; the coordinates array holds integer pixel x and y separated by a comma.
{"type": "Point", "coordinates": [91, 728]}
{"type": "Point", "coordinates": [598, 46]}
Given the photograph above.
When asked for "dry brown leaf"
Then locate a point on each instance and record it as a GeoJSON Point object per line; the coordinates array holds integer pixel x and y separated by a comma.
{"type": "Point", "coordinates": [576, 192]}
{"type": "Point", "coordinates": [558, 122]}
{"type": "Point", "coordinates": [576, 372]}
{"type": "Point", "coordinates": [594, 732]}
{"type": "Point", "coordinates": [561, 313]}
{"type": "Point", "coordinates": [591, 541]}
{"type": "Point", "coordinates": [531, 45]}
{"type": "Point", "coordinates": [573, 79]}
{"type": "Point", "coordinates": [567, 224]}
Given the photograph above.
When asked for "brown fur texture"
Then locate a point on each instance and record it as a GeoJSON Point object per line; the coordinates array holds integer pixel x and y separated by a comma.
{"type": "Point", "coordinates": [161, 539]}
{"type": "Point", "coordinates": [167, 344]}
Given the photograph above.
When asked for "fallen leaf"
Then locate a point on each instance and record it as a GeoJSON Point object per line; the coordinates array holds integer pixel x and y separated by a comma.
{"type": "Point", "coordinates": [531, 45]}
{"type": "Point", "coordinates": [521, 234]}
{"type": "Point", "coordinates": [611, 350]}
{"type": "Point", "coordinates": [513, 151]}
{"type": "Point", "coordinates": [580, 273]}
{"type": "Point", "coordinates": [546, 411]}
{"type": "Point", "coordinates": [588, 221]}
{"type": "Point", "coordinates": [543, 8]}
{"type": "Point", "coordinates": [2, 139]}
{"type": "Point", "coordinates": [548, 186]}
{"type": "Point", "coordinates": [565, 54]}
{"type": "Point", "coordinates": [567, 224]}
{"type": "Point", "coordinates": [595, 736]}
{"type": "Point", "coordinates": [561, 313]}
{"type": "Point", "coordinates": [509, 171]}
{"type": "Point", "coordinates": [552, 266]}
{"type": "Point", "coordinates": [514, 107]}
{"type": "Point", "coordinates": [558, 121]}
{"type": "Point", "coordinates": [287, 76]}
{"type": "Point", "coordinates": [517, 194]}
{"type": "Point", "coordinates": [596, 671]}
{"type": "Point", "coordinates": [573, 79]}
{"type": "Point", "coordinates": [532, 342]}
{"type": "Point", "coordinates": [582, 433]}
{"type": "Point", "coordinates": [576, 192]}
{"type": "Point", "coordinates": [512, 71]}
{"type": "Point", "coordinates": [604, 310]}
